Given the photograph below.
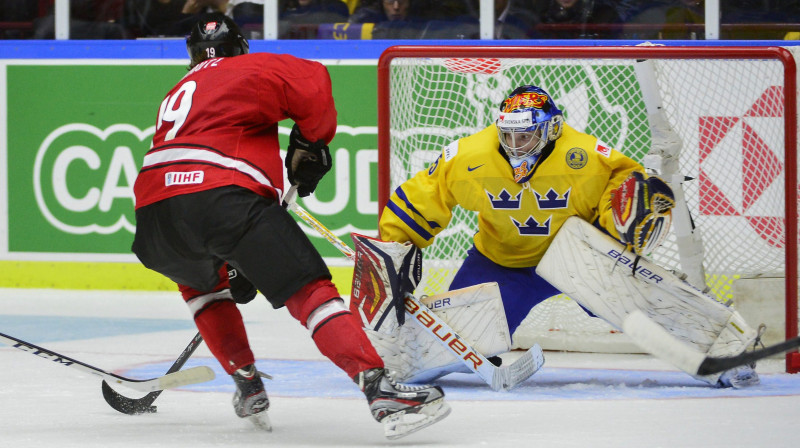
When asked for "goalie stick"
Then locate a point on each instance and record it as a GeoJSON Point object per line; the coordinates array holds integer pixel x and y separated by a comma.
{"type": "Point", "coordinates": [133, 406]}
{"type": "Point", "coordinates": [498, 378]}
{"type": "Point", "coordinates": [663, 158]}
{"type": "Point", "coordinates": [657, 341]}
{"type": "Point", "coordinates": [194, 375]}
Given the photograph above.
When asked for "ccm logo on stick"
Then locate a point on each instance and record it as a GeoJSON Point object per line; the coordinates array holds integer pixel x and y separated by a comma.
{"type": "Point", "coordinates": [43, 354]}
{"type": "Point", "coordinates": [458, 347]}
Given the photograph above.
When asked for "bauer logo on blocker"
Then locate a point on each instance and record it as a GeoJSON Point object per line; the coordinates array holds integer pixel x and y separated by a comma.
{"type": "Point", "coordinates": [183, 178]}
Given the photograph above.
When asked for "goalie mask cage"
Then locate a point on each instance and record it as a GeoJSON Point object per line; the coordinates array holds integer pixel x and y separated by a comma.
{"type": "Point", "coordinates": [734, 109]}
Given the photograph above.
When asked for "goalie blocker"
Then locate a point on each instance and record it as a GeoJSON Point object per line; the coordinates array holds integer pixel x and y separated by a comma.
{"type": "Point", "coordinates": [596, 271]}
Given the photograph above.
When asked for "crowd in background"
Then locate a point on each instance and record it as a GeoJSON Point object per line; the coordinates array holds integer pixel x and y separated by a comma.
{"type": "Point", "coordinates": [411, 19]}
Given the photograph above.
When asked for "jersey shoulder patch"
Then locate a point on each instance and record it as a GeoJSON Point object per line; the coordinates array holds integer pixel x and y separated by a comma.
{"type": "Point", "coordinates": [450, 151]}
{"type": "Point", "coordinates": [603, 148]}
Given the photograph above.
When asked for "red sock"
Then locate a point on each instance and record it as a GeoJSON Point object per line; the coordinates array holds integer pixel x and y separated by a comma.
{"type": "Point", "coordinates": [339, 337]}
{"type": "Point", "coordinates": [222, 328]}
{"type": "Point", "coordinates": [343, 341]}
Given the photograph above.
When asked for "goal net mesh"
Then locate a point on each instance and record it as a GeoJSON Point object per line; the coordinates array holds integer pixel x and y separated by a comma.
{"type": "Point", "coordinates": [728, 113]}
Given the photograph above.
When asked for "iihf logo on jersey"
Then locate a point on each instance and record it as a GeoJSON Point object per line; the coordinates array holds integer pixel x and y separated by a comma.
{"type": "Point", "coordinates": [504, 200]}
{"type": "Point", "coordinates": [179, 178]}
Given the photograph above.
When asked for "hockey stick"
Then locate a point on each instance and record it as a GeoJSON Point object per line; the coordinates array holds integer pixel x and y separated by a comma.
{"type": "Point", "coordinates": [132, 406]}
{"type": "Point", "coordinates": [498, 378]}
{"type": "Point", "coordinates": [656, 340]}
{"type": "Point", "coordinates": [194, 375]}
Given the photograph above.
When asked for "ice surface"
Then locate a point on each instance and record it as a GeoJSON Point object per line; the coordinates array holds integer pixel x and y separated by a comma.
{"type": "Point", "coordinates": [576, 400]}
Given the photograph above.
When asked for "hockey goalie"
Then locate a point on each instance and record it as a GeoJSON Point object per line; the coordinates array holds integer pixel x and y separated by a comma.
{"type": "Point", "coordinates": [530, 178]}
{"type": "Point", "coordinates": [602, 274]}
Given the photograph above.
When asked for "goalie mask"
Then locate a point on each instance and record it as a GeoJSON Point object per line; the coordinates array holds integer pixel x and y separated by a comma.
{"type": "Point", "coordinates": [215, 35]}
{"type": "Point", "coordinates": [528, 121]}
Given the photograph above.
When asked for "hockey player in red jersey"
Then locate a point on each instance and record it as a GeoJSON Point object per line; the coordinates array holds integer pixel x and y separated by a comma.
{"type": "Point", "coordinates": [208, 196]}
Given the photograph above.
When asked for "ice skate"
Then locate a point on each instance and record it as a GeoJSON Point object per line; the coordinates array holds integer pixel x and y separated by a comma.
{"type": "Point", "coordinates": [744, 375]}
{"type": "Point", "coordinates": [401, 408]}
{"type": "Point", "coordinates": [739, 377]}
{"type": "Point", "coordinates": [250, 400]}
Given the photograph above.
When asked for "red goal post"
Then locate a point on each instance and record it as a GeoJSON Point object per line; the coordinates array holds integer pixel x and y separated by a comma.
{"type": "Point", "coordinates": [734, 108]}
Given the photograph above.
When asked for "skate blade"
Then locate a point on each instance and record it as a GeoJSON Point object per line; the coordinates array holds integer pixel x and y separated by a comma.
{"type": "Point", "coordinates": [261, 421]}
{"type": "Point", "coordinates": [402, 424]}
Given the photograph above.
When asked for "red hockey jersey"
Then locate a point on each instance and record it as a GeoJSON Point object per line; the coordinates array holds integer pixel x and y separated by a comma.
{"type": "Point", "coordinates": [218, 125]}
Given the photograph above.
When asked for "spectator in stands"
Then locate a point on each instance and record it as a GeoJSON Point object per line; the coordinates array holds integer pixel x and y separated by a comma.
{"type": "Point", "coordinates": [628, 8]}
{"type": "Point", "coordinates": [394, 19]}
{"type": "Point", "coordinates": [368, 11]}
{"type": "Point", "coordinates": [460, 19]}
{"type": "Point", "coordinates": [748, 14]}
{"type": "Point", "coordinates": [515, 19]}
{"type": "Point", "coordinates": [315, 11]}
{"type": "Point", "coordinates": [158, 18]}
{"type": "Point", "coordinates": [377, 11]}
{"type": "Point", "coordinates": [243, 12]}
{"type": "Point", "coordinates": [396, 9]}
{"type": "Point", "coordinates": [202, 6]}
{"type": "Point", "coordinates": [579, 19]}
{"type": "Point", "coordinates": [301, 19]}
{"type": "Point", "coordinates": [668, 19]}
{"type": "Point", "coordinates": [689, 12]}
{"type": "Point", "coordinates": [351, 5]}
{"type": "Point", "coordinates": [248, 14]}
{"type": "Point", "coordinates": [89, 19]}
{"type": "Point", "coordinates": [17, 18]}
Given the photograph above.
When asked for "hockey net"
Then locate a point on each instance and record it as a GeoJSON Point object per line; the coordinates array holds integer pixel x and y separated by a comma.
{"type": "Point", "coordinates": [733, 108]}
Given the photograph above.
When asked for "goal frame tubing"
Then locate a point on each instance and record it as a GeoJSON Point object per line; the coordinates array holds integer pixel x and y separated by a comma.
{"type": "Point", "coordinates": [618, 52]}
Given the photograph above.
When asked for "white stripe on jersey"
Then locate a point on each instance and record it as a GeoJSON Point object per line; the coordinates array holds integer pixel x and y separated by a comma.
{"type": "Point", "coordinates": [188, 154]}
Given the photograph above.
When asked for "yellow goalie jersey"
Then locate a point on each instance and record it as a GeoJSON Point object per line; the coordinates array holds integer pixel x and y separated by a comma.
{"type": "Point", "coordinates": [516, 222]}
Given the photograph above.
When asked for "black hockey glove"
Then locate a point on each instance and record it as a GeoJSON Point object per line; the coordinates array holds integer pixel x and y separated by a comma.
{"type": "Point", "coordinates": [241, 289]}
{"type": "Point", "coordinates": [306, 162]}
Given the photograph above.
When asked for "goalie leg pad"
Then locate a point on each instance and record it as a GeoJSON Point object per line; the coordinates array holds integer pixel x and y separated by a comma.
{"type": "Point", "coordinates": [412, 354]}
{"type": "Point", "coordinates": [596, 271]}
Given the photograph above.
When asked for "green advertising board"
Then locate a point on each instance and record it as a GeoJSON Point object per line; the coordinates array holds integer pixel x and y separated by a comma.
{"type": "Point", "coordinates": [76, 136]}
{"type": "Point", "coordinates": [77, 133]}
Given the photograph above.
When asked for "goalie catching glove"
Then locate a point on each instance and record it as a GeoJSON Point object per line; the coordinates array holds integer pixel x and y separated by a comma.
{"type": "Point", "coordinates": [306, 162]}
{"type": "Point", "coordinates": [642, 210]}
